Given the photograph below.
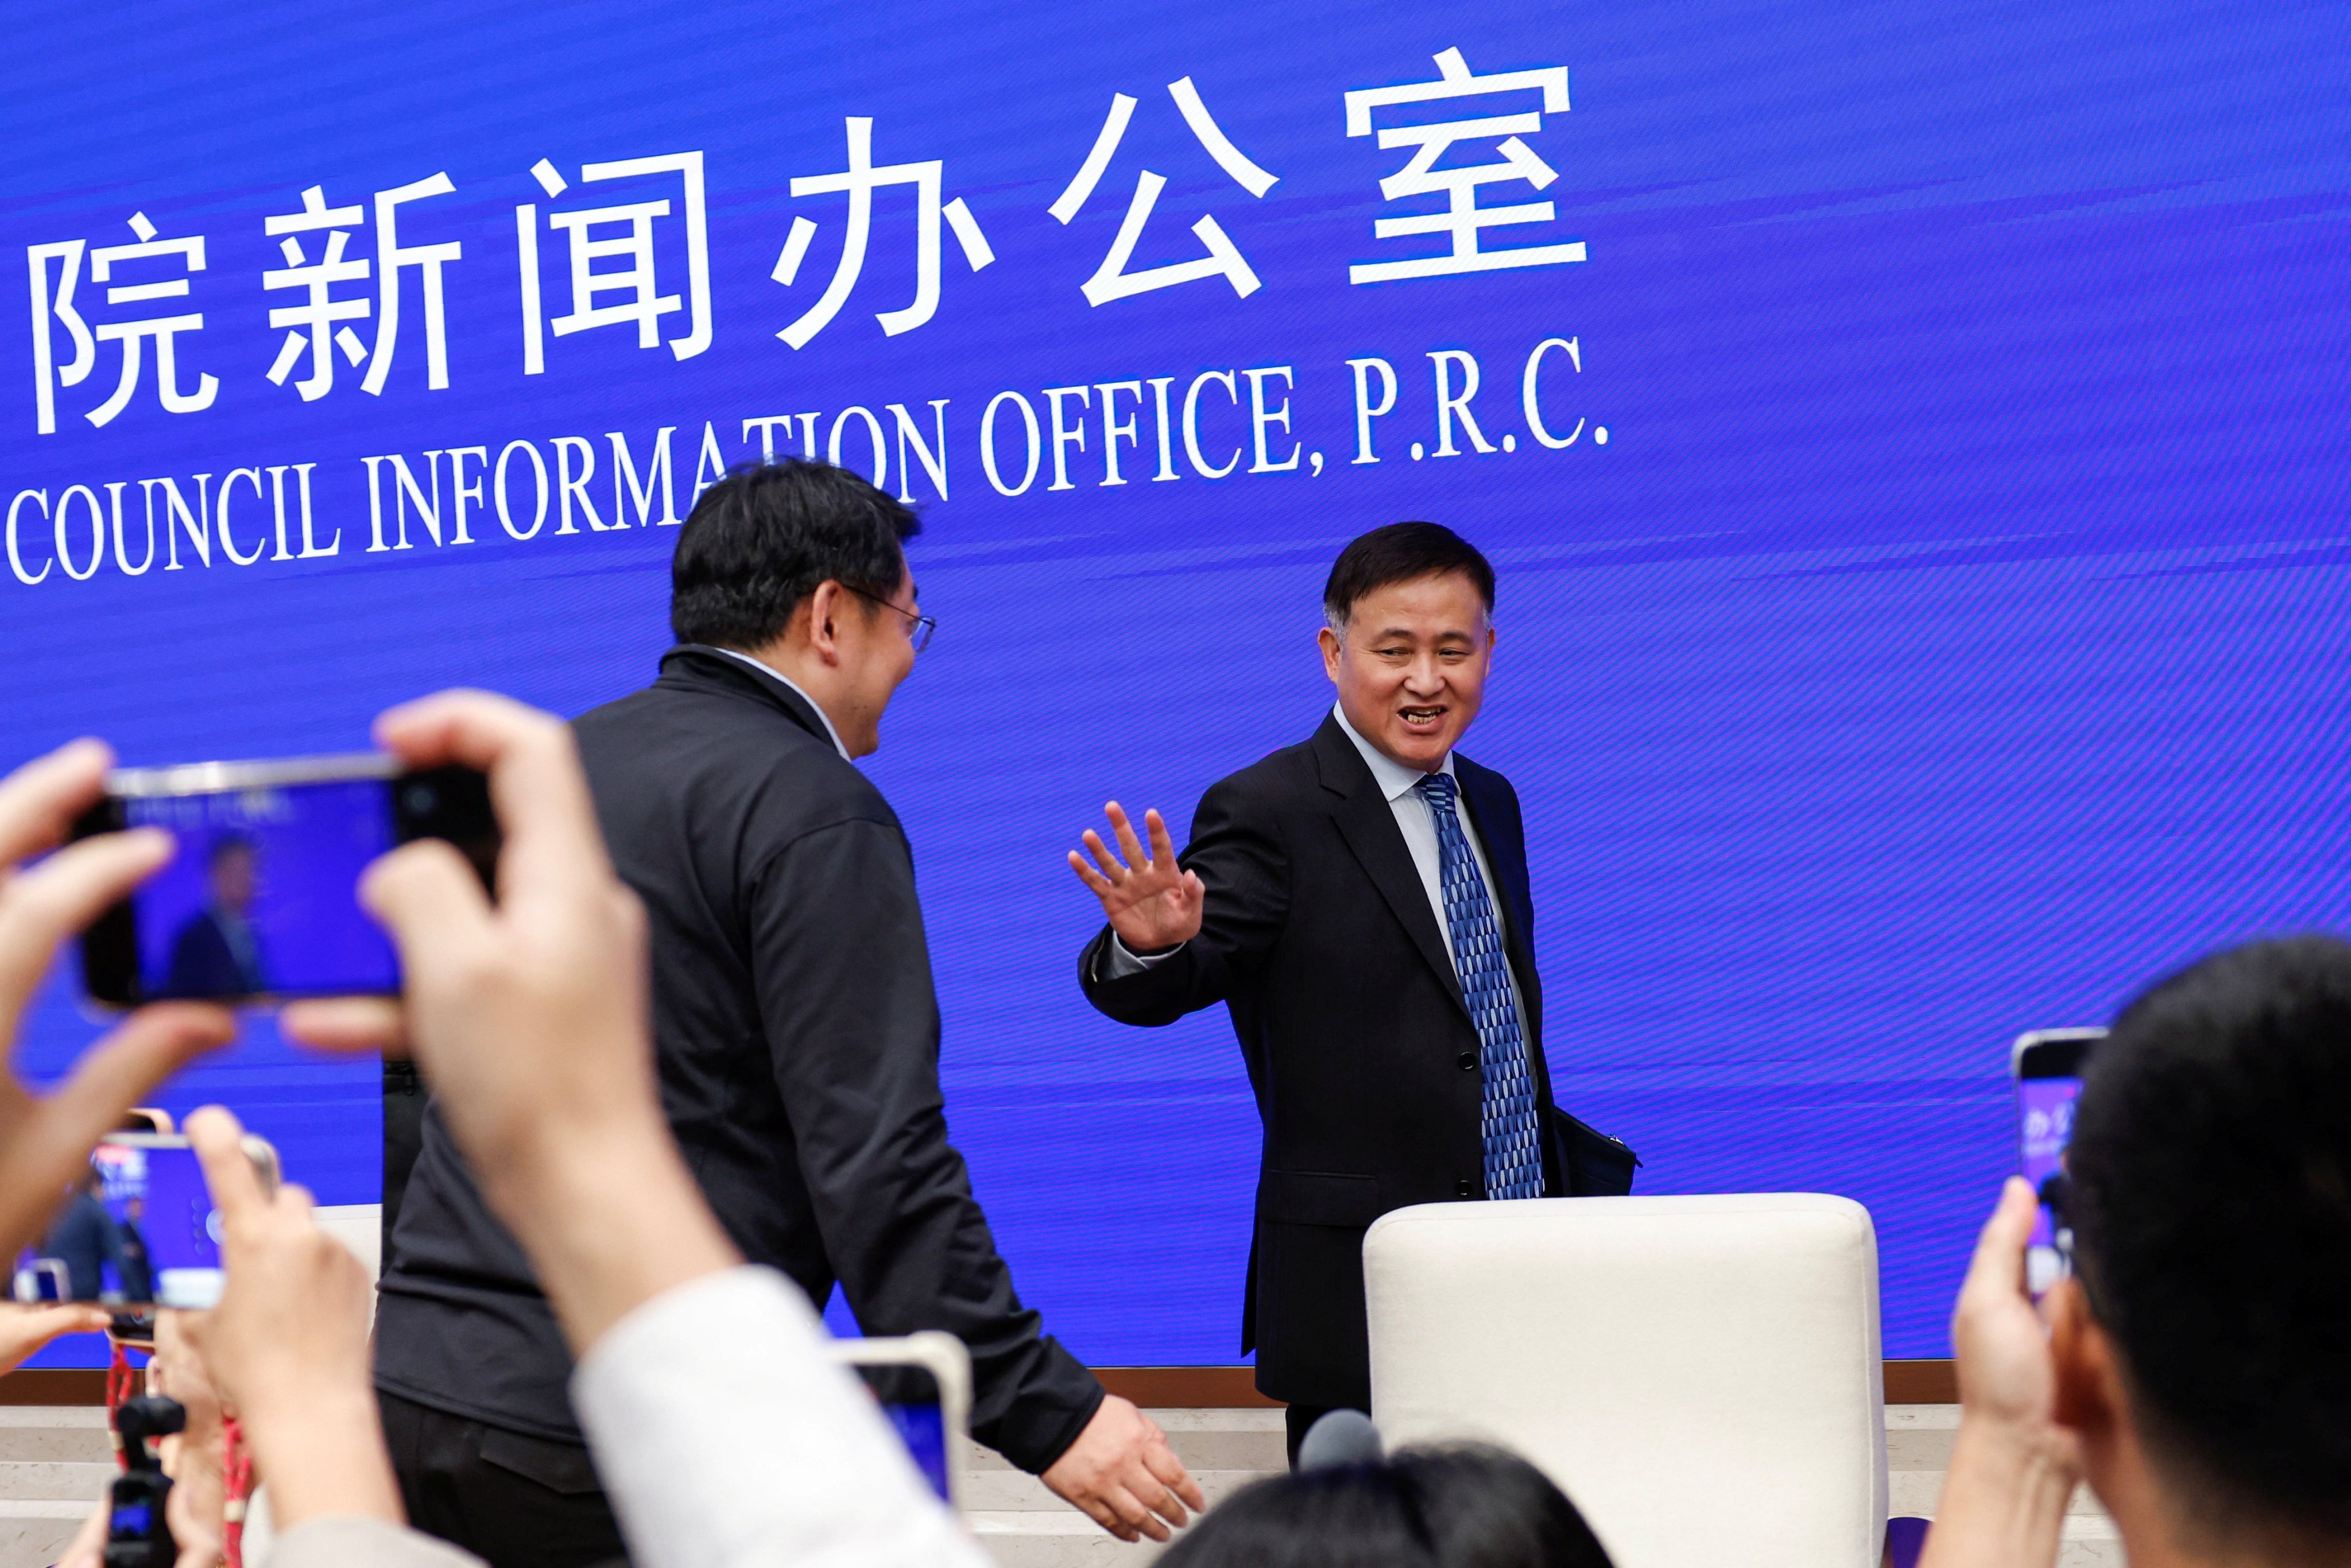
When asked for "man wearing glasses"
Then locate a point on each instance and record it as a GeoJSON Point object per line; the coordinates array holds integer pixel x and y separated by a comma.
{"type": "Point", "coordinates": [796, 1033]}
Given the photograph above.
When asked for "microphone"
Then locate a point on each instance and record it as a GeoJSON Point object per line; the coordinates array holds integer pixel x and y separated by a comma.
{"type": "Point", "coordinates": [1340, 1438]}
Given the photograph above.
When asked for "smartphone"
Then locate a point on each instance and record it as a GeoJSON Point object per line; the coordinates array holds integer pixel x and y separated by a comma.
{"type": "Point", "coordinates": [261, 902]}
{"type": "Point", "coordinates": [2048, 1065]}
{"type": "Point", "coordinates": [923, 1383]}
{"type": "Point", "coordinates": [140, 1229]}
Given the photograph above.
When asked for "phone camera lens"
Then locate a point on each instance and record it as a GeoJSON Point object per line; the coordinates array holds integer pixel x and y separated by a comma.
{"type": "Point", "coordinates": [420, 799]}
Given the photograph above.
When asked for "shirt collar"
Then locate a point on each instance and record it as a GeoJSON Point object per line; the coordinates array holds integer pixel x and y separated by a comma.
{"type": "Point", "coordinates": [823, 718]}
{"type": "Point", "coordinates": [1395, 780]}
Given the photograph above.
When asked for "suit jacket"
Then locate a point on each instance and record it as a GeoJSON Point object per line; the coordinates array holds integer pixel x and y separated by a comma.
{"type": "Point", "coordinates": [796, 1037]}
{"type": "Point", "coordinates": [1319, 936]}
{"type": "Point", "coordinates": [204, 964]}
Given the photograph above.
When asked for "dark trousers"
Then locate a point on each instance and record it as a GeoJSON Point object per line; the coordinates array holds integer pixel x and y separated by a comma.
{"type": "Point", "coordinates": [513, 1501]}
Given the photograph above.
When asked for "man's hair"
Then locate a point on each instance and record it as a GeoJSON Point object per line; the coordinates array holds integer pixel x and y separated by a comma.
{"type": "Point", "coordinates": [762, 538]}
{"type": "Point", "coordinates": [2211, 1169]}
{"type": "Point", "coordinates": [1401, 552]}
{"type": "Point", "coordinates": [229, 843]}
{"type": "Point", "coordinates": [1468, 1507]}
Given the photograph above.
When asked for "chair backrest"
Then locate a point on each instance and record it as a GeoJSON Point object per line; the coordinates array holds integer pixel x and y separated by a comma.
{"type": "Point", "coordinates": [1700, 1374]}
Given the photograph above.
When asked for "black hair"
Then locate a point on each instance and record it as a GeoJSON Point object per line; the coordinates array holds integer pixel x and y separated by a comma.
{"type": "Point", "coordinates": [1401, 552]}
{"type": "Point", "coordinates": [228, 843]}
{"type": "Point", "coordinates": [759, 542]}
{"type": "Point", "coordinates": [2211, 1175]}
{"type": "Point", "coordinates": [1466, 1507]}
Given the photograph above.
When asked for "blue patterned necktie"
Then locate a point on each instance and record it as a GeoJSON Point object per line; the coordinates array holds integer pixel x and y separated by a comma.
{"type": "Point", "coordinates": [1506, 1119]}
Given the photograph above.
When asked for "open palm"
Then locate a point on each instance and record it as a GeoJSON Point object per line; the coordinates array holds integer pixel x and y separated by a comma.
{"type": "Point", "coordinates": [1151, 902]}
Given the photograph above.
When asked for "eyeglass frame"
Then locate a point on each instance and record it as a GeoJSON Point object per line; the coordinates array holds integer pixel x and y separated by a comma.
{"type": "Point", "coordinates": [920, 633]}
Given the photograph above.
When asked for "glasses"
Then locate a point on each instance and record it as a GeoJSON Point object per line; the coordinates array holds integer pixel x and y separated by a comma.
{"type": "Point", "coordinates": [922, 628]}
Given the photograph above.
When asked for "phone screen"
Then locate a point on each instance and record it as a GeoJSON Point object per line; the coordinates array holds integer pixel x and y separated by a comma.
{"type": "Point", "coordinates": [140, 1222]}
{"type": "Point", "coordinates": [2048, 1084]}
{"type": "Point", "coordinates": [261, 899]}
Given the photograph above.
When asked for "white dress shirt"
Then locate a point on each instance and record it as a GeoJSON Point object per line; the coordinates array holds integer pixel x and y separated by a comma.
{"type": "Point", "coordinates": [727, 1437]}
{"type": "Point", "coordinates": [774, 674]}
{"type": "Point", "coordinates": [1414, 820]}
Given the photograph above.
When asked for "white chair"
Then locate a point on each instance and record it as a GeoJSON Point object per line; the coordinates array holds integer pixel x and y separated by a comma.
{"type": "Point", "coordinates": [1700, 1374]}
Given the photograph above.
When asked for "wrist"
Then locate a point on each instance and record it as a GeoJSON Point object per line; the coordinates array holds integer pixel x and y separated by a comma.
{"type": "Point", "coordinates": [321, 1452]}
{"type": "Point", "coordinates": [2004, 1496]}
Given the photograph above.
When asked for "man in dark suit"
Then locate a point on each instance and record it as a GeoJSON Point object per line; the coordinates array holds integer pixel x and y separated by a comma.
{"type": "Point", "coordinates": [1359, 901]}
{"type": "Point", "coordinates": [797, 1038]}
{"type": "Point", "coordinates": [215, 953]}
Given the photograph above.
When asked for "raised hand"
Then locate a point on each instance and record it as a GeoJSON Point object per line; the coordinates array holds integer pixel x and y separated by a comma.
{"type": "Point", "coordinates": [288, 1343]}
{"type": "Point", "coordinates": [1152, 902]}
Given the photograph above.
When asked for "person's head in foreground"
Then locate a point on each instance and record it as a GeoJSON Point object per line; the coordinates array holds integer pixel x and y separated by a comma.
{"type": "Point", "coordinates": [2197, 1368]}
{"type": "Point", "coordinates": [803, 566]}
{"type": "Point", "coordinates": [2204, 1347]}
{"type": "Point", "coordinates": [1466, 1507]}
{"type": "Point", "coordinates": [1408, 633]}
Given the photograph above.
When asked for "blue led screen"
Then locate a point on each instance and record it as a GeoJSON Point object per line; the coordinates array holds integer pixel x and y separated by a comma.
{"type": "Point", "coordinates": [1909, 437]}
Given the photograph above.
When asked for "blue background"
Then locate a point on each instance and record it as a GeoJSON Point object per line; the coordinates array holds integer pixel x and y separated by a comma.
{"type": "Point", "coordinates": [1948, 638]}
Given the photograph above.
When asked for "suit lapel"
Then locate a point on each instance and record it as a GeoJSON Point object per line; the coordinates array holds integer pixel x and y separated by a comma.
{"type": "Point", "coordinates": [1368, 824]}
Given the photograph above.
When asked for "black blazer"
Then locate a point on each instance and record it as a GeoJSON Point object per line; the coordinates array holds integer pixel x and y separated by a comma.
{"type": "Point", "coordinates": [797, 1038]}
{"type": "Point", "coordinates": [205, 965]}
{"type": "Point", "coordinates": [1319, 936]}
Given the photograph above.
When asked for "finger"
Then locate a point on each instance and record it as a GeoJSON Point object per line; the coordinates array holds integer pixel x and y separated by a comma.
{"type": "Point", "coordinates": [1195, 892]}
{"type": "Point", "coordinates": [1112, 866]}
{"type": "Point", "coordinates": [296, 1202]}
{"type": "Point", "coordinates": [39, 801]}
{"type": "Point", "coordinates": [1162, 848]}
{"type": "Point", "coordinates": [1101, 1513]}
{"type": "Point", "coordinates": [50, 1322]}
{"type": "Point", "coordinates": [41, 907]}
{"type": "Point", "coordinates": [431, 903]}
{"type": "Point", "coordinates": [1128, 844]}
{"type": "Point", "coordinates": [351, 1025]}
{"type": "Point", "coordinates": [87, 1549]}
{"type": "Point", "coordinates": [544, 809]}
{"type": "Point", "coordinates": [1999, 1265]}
{"type": "Point", "coordinates": [1146, 1485]}
{"type": "Point", "coordinates": [229, 1175]}
{"type": "Point", "coordinates": [1098, 885]}
{"type": "Point", "coordinates": [1169, 1471]}
{"type": "Point", "coordinates": [1135, 1513]}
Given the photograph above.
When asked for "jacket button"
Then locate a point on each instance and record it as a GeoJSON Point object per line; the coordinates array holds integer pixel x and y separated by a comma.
{"type": "Point", "coordinates": [1468, 1061]}
{"type": "Point", "coordinates": [1465, 1188]}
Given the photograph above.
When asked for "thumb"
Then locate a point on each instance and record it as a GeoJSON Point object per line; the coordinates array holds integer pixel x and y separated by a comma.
{"type": "Point", "coordinates": [431, 900]}
{"type": "Point", "coordinates": [218, 1139]}
{"type": "Point", "coordinates": [45, 1323]}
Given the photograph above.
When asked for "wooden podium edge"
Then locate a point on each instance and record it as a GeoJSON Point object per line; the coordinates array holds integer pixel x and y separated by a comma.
{"type": "Point", "coordinates": [1153, 1387]}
